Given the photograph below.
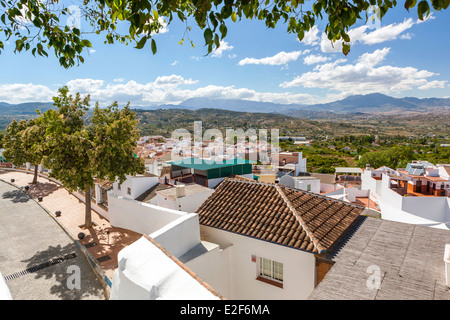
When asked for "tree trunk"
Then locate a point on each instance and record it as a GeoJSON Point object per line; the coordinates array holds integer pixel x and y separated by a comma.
{"type": "Point", "coordinates": [35, 174]}
{"type": "Point", "coordinates": [87, 216]}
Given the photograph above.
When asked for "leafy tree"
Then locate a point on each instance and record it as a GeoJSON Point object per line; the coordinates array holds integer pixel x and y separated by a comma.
{"type": "Point", "coordinates": [395, 157]}
{"type": "Point", "coordinates": [40, 26]}
{"type": "Point", "coordinates": [81, 153]}
{"type": "Point", "coordinates": [25, 142]}
{"type": "Point", "coordinates": [14, 149]}
{"type": "Point", "coordinates": [2, 136]}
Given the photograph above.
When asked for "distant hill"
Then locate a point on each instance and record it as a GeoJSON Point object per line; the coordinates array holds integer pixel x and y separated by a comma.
{"type": "Point", "coordinates": [378, 103]}
{"type": "Point", "coordinates": [28, 108]}
{"type": "Point", "coordinates": [356, 105]}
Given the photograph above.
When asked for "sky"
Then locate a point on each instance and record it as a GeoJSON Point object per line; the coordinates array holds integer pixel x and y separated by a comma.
{"type": "Point", "coordinates": [399, 56]}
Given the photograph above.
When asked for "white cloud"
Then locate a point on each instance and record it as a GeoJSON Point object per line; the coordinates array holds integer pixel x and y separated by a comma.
{"type": "Point", "coordinates": [119, 80]}
{"type": "Point", "coordinates": [311, 37]}
{"type": "Point", "coordinates": [218, 52]}
{"type": "Point", "coordinates": [175, 89]}
{"type": "Point", "coordinates": [84, 85]}
{"type": "Point", "coordinates": [276, 60]}
{"type": "Point", "coordinates": [20, 92]}
{"type": "Point", "coordinates": [362, 35]}
{"type": "Point", "coordinates": [92, 51]}
{"type": "Point", "coordinates": [433, 85]}
{"type": "Point", "coordinates": [366, 75]}
{"type": "Point", "coordinates": [172, 80]}
{"type": "Point", "coordinates": [313, 59]}
{"type": "Point", "coordinates": [174, 63]}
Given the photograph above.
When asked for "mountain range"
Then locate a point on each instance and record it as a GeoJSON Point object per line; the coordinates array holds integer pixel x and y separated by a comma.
{"type": "Point", "coordinates": [370, 104]}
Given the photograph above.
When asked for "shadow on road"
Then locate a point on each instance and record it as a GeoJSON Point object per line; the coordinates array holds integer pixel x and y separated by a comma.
{"type": "Point", "coordinates": [16, 196]}
{"type": "Point", "coordinates": [63, 274]}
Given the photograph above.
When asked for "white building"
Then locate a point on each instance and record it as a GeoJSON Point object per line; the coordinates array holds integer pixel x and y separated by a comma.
{"type": "Point", "coordinates": [266, 231]}
{"type": "Point", "coordinates": [248, 240]}
{"type": "Point", "coordinates": [402, 199]}
{"type": "Point", "coordinates": [306, 183]}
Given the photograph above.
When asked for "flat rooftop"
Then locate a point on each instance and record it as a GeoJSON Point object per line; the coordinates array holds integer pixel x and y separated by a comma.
{"type": "Point", "coordinates": [409, 259]}
{"type": "Point", "coordinates": [189, 189]}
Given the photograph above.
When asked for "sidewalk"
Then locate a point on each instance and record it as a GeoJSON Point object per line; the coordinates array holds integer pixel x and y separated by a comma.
{"type": "Point", "coordinates": [102, 240]}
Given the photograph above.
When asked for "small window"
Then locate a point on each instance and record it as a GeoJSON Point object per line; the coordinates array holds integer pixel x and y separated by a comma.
{"type": "Point", "coordinates": [308, 187]}
{"type": "Point", "coordinates": [270, 272]}
{"type": "Point", "coordinates": [118, 186]}
{"type": "Point", "coordinates": [129, 191]}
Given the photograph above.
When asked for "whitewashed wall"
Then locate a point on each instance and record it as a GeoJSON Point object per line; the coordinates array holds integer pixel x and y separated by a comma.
{"type": "Point", "coordinates": [180, 235]}
{"type": "Point", "coordinates": [298, 267]}
{"type": "Point", "coordinates": [137, 185]}
{"type": "Point", "coordinates": [5, 294]}
{"type": "Point", "coordinates": [146, 273]}
{"type": "Point", "coordinates": [138, 216]}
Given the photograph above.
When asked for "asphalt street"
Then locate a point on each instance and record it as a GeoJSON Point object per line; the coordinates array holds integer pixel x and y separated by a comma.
{"type": "Point", "coordinates": [38, 260]}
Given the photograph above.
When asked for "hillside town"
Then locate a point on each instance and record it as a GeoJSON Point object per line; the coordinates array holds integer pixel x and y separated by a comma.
{"type": "Point", "coordinates": [257, 226]}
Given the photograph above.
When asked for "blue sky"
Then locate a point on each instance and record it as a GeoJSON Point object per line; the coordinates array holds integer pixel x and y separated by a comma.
{"type": "Point", "coordinates": [399, 57]}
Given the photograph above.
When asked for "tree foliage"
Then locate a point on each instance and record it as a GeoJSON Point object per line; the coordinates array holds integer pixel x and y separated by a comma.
{"type": "Point", "coordinates": [40, 25]}
{"type": "Point", "coordinates": [81, 153]}
{"type": "Point", "coordinates": [25, 142]}
{"type": "Point", "coordinates": [395, 157]}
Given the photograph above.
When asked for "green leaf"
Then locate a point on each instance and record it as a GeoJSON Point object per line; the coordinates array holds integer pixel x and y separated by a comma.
{"type": "Point", "coordinates": [422, 8]}
{"type": "Point", "coordinates": [86, 43]}
{"type": "Point", "coordinates": [223, 30]}
{"type": "Point", "coordinates": [141, 43]}
{"type": "Point", "coordinates": [345, 48]}
{"type": "Point", "coordinates": [216, 40]}
{"type": "Point", "coordinates": [208, 35]}
{"type": "Point", "coordinates": [153, 46]}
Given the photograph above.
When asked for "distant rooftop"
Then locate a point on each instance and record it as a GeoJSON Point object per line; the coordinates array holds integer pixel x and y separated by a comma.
{"type": "Point", "coordinates": [189, 189]}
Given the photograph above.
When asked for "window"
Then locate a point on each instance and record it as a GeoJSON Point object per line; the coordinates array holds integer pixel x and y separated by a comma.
{"type": "Point", "coordinates": [129, 191]}
{"type": "Point", "coordinates": [118, 186]}
{"type": "Point", "coordinates": [308, 187]}
{"type": "Point", "coordinates": [270, 272]}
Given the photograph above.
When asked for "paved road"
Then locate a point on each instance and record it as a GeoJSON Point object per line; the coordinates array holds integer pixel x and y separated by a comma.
{"type": "Point", "coordinates": [31, 240]}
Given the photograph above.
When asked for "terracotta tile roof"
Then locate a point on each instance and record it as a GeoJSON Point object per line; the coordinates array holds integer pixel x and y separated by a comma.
{"type": "Point", "coordinates": [278, 214]}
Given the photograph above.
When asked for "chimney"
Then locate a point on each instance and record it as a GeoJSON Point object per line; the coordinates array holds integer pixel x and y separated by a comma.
{"type": "Point", "coordinates": [367, 167]}
{"type": "Point", "coordinates": [179, 191]}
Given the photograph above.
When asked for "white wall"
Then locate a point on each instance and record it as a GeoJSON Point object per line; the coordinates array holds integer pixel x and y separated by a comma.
{"type": "Point", "coordinates": [298, 267]}
{"type": "Point", "coordinates": [188, 203]}
{"type": "Point", "coordinates": [138, 216]}
{"type": "Point", "coordinates": [180, 235]}
{"type": "Point", "coordinates": [146, 273]}
{"type": "Point", "coordinates": [301, 184]}
{"type": "Point", "coordinates": [436, 209]}
{"type": "Point", "coordinates": [5, 294]}
{"type": "Point", "coordinates": [214, 268]}
{"type": "Point", "coordinates": [138, 185]}
{"type": "Point", "coordinates": [327, 187]}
